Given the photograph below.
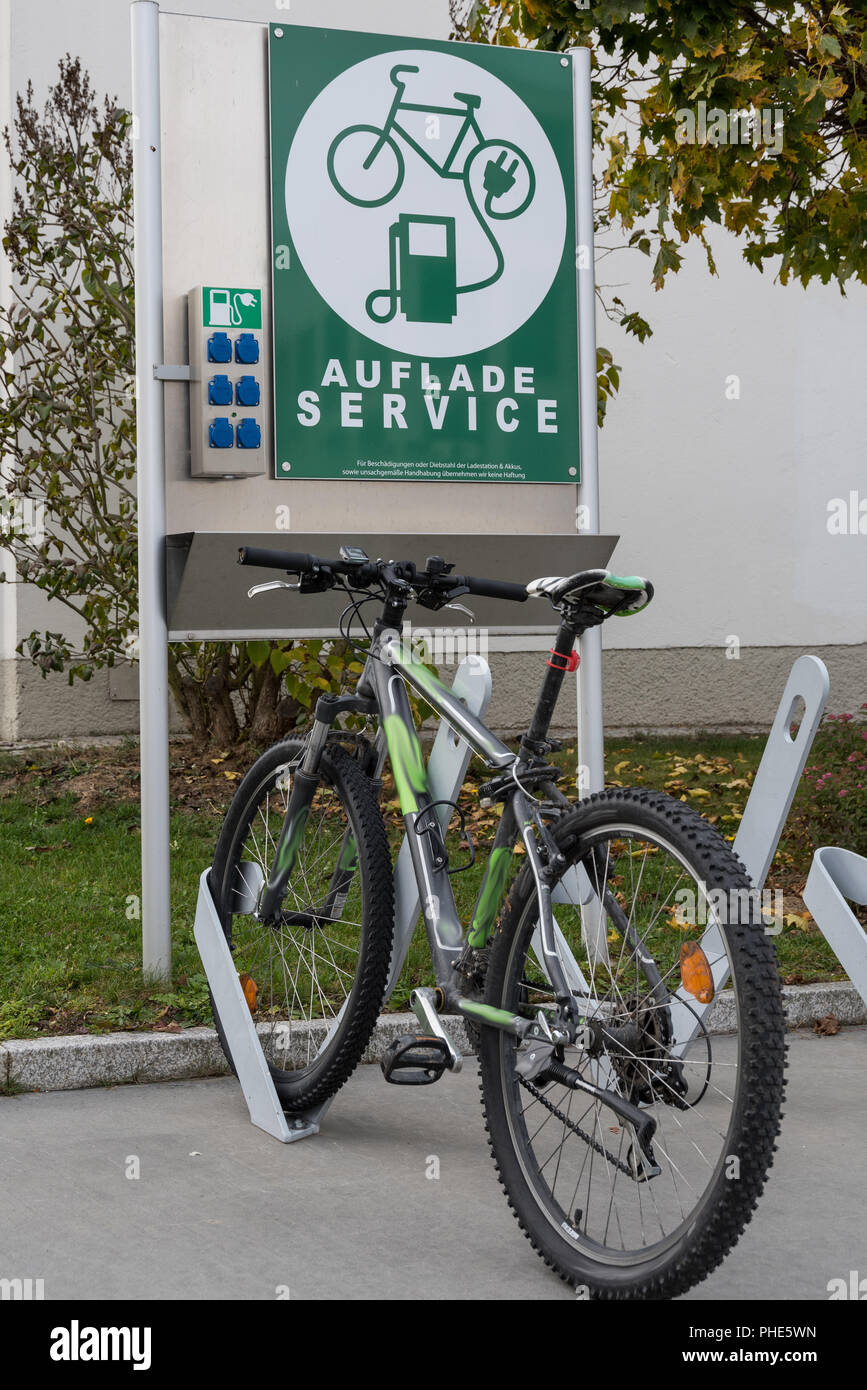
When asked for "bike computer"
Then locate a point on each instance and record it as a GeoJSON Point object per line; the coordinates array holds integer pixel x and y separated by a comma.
{"type": "Point", "coordinates": [353, 555]}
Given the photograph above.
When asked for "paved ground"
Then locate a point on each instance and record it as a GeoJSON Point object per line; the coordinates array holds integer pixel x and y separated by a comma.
{"type": "Point", "coordinates": [222, 1211]}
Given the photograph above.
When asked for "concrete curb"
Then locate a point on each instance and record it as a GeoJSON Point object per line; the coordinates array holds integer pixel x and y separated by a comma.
{"type": "Point", "coordinates": [114, 1059]}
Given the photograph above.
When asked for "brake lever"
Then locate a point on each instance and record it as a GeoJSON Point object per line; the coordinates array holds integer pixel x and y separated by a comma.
{"type": "Point", "coordinates": [461, 609]}
{"type": "Point", "coordinates": [271, 584]}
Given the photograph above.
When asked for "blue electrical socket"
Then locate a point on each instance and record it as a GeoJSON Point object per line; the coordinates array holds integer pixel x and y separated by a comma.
{"type": "Point", "coordinates": [249, 434]}
{"type": "Point", "coordinates": [220, 434]}
{"type": "Point", "coordinates": [219, 348]}
{"type": "Point", "coordinates": [247, 391]}
{"type": "Point", "coordinates": [219, 391]}
{"type": "Point", "coordinates": [247, 348]}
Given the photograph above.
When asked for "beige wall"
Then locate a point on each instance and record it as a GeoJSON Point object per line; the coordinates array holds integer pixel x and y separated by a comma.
{"type": "Point", "coordinates": [686, 689]}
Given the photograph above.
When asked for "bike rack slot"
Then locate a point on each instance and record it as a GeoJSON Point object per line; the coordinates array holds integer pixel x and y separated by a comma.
{"type": "Point", "coordinates": [835, 875]}
{"type": "Point", "coordinates": [765, 814]}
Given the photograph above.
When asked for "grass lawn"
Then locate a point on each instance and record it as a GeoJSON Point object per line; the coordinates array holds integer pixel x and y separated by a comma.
{"type": "Point", "coordinates": [69, 866]}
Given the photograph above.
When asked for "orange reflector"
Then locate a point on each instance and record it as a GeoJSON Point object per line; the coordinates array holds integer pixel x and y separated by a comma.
{"type": "Point", "coordinates": [251, 990]}
{"type": "Point", "coordinates": [695, 972]}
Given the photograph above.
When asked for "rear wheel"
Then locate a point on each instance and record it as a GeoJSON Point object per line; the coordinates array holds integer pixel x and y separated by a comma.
{"type": "Point", "coordinates": [315, 980]}
{"type": "Point", "coordinates": [595, 1206]}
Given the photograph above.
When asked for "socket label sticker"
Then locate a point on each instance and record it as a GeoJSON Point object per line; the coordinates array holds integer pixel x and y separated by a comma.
{"type": "Point", "coordinates": [226, 307]}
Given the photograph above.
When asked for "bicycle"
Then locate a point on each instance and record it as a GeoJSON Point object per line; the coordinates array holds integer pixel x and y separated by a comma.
{"type": "Point", "coordinates": [499, 181]}
{"type": "Point", "coordinates": [631, 1134]}
{"type": "Point", "coordinates": [380, 182]}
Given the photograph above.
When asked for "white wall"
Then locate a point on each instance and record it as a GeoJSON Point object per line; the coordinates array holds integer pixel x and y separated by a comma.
{"type": "Point", "coordinates": [724, 502]}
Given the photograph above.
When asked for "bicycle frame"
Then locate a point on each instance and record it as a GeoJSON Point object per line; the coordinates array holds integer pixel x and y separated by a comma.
{"type": "Point", "coordinates": [390, 667]}
{"type": "Point", "coordinates": [391, 124]}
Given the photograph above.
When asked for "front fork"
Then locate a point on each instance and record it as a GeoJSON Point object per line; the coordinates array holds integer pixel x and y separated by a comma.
{"type": "Point", "coordinates": [304, 785]}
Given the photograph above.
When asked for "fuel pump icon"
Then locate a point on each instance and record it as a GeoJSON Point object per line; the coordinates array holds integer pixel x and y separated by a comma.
{"type": "Point", "coordinates": [422, 271]}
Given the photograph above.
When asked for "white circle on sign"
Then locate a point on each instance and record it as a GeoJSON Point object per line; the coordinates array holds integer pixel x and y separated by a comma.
{"type": "Point", "coordinates": [425, 203]}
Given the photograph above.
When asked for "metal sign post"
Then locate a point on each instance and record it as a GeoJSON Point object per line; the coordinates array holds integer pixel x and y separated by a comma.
{"type": "Point", "coordinates": [150, 460]}
{"type": "Point", "coordinates": [591, 747]}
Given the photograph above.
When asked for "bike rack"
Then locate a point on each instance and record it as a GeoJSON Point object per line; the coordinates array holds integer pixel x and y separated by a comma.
{"type": "Point", "coordinates": [835, 875]}
{"type": "Point", "coordinates": [765, 813]}
{"type": "Point", "coordinates": [447, 768]}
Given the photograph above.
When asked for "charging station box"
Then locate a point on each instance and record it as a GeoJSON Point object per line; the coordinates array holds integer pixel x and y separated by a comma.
{"type": "Point", "coordinates": [229, 419]}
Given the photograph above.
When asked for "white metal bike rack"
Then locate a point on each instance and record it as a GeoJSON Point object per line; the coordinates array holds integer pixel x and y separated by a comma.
{"type": "Point", "coordinates": [446, 771]}
{"type": "Point", "coordinates": [835, 875]}
{"type": "Point", "coordinates": [765, 814]}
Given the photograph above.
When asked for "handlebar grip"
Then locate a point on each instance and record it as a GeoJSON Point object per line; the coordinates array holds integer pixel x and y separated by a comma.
{"type": "Point", "coordinates": [496, 588]}
{"type": "Point", "coordinates": [276, 559]}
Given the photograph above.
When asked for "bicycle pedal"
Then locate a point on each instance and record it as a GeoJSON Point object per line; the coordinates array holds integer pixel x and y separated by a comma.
{"type": "Point", "coordinates": [415, 1059]}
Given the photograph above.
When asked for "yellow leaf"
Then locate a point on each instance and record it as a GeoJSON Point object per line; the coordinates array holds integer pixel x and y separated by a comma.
{"type": "Point", "coordinates": [701, 793]}
{"type": "Point", "coordinates": [618, 767]}
{"type": "Point", "coordinates": [802, 920]}
{"type": "Point", "coordinates": [232, 776]}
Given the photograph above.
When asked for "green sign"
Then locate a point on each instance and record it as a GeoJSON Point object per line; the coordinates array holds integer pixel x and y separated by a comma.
{"type": "Point", "coordinates": [425, 311]}
{"type": "Point", "coordinates": [229, 307]}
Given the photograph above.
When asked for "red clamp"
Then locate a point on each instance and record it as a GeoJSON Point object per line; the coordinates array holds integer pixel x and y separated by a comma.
{"type": "Point", "coordinates": [562, 662]}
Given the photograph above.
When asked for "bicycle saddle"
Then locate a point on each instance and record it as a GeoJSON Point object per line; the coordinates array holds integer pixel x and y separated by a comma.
{"type": "Point", "coordinates": [471, 102]}
{"type": "Point", "coordinates": [616, 594]}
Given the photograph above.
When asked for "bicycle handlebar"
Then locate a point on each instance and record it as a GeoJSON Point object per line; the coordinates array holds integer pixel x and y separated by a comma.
{"type": "Point", "coordinates": [300, 563]}
{"type": "Point", "coordinates": [492, 588]}
{"type": "Point", "coordinates": [292, 562]}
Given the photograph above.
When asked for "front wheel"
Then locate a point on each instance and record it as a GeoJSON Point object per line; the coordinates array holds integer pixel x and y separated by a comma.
{"type": "Point", "coordinates": [315, 979]}
{"type": "Point", "coordinates": [660, 888]}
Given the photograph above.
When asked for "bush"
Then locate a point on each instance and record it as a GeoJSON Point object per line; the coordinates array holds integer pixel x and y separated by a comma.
{"type": "Point", "coordinates": [834, 789]}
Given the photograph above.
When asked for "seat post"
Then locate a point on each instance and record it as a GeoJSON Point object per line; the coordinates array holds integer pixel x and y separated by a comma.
{"type": "Point", "coordinates": [559, 662]}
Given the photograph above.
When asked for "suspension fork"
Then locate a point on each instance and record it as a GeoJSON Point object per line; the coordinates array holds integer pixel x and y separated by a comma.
{"type": "Point", "coordinates": [304, 785]}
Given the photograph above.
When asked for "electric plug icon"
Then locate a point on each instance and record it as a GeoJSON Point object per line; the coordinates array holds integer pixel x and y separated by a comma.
{"type": "Point", "coordinates": [499, 177]}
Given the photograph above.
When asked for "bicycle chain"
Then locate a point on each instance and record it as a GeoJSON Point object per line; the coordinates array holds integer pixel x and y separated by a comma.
{"type": "Point", "coordinates": [576, 1129]}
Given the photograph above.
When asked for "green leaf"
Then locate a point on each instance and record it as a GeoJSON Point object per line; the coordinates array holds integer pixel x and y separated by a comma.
{"type": "Point", "coordinates": [258, 652]}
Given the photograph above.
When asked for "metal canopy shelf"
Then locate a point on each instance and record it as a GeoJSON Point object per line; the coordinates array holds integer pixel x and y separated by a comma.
{"type": "Point", "coordinates": [207, 592]}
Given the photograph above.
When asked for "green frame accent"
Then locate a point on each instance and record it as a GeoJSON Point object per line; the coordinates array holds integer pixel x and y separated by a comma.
{"type": "Point", "coordinates": [407, 762]}
{"type": "Point", "coordinates": [490, 896]}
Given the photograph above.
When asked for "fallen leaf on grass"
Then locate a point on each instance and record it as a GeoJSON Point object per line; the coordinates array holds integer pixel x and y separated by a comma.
{"type": "Point", "coordinates": [802, 920]}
